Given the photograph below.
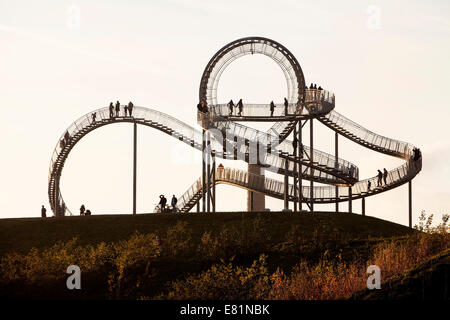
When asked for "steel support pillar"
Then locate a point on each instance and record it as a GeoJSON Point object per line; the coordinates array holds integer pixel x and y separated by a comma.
{"type": "Point", "coordinates": [134, 167]}
{"type": "Point", "coordinates": [350, 199]}
{"type": "Point", "coordinates": [363, 204]}
{"type": "Point", "coordinates": [295, 169]}
{"type": "Point", "coordinates": [311, 184]}
{"type": "Point", "coordinates": [203, 171]}
{"type": "Point", "coordinates": [208, 174]}
{"type": "Point", "coordinates": [410, 203]}
{"type": "Point", "coordinates": [213, 182]}
{"type": "Point", "coordinates": [300, 153]}
{"type": "Point", "coordinates": [336, 156]}
{"type": "Point", "coordinates": [286, 184]}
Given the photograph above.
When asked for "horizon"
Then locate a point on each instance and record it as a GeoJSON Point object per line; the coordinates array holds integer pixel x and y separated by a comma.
{"type": "Point", "coordinates": [75, 58]}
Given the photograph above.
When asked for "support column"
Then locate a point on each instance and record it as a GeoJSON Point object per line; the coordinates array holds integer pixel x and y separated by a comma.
{"type": "Point", "coordinates": [213, 181]}
{"type": "Point", "coordinates": [208, 172]}
{"type": "Point", "coordinates": [336, 155]}
{"type": "Point", "coordinates": [134, 167]}
{"type": "Point", "coordinates": [295, 169]}
{"type": "Point", "coordinates": [311, 184]}
{"type": "Point", "coordinates": [203, 171]}
{"type": "Point", "coordinates": [301, 151]}
{"type": "Point", "coordinates": [286, 184]}
{"type": "Point", "coordinates": [410, 203]}
{"type": "Point", "coordinates": [350, 199]}
{"type": "Point", "coordinates": [363, 204]}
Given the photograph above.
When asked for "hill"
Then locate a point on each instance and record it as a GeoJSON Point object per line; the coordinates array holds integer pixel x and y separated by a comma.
{"type": "Point", "coordinates": [22, 234]}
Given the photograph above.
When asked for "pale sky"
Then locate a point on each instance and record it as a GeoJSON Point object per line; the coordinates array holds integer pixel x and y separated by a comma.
{"type": "Point", "coordinates": [386, 61]}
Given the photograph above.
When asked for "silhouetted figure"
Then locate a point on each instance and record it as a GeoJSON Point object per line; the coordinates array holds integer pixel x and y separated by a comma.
{"type": "Point", "coordinates": [385, 175]}
{"type": "Point", "coordinates": [130, 108]}
{"type": "Point", "coordinates": [315, 86]}
{"type": "Point", "coordinates": [380, 178]}
{"type": "Point", "coordinates": [43, 212]}
{"type": "Point", "coordinates": [125, 110]}
{"type": "Point", "coordinates": [311, 86]}
{"type": "Point", "coordinates": [272, 108]}
{"type": "Point", "coordinates": [82, 210]}
{"type": "Point", "coordinates": [416, 154]}
{"type": "Point", "coordinates": [320, 88]}
{"type": "Point", "coordinates": [111, 110]}
{"type": "Point", "coordinates": [369, 184]}
{"type": "Point", "coordinates": [88, 212]}
{"type": "Point", "coordinates": [294, 143]}
{"type": "Point", "coordinates": [162, 202]}
{"type": "Point", "coordinates": [286, 105]}
{"type": "Point", "coordinates": [117, 108]}
{"type": "Point", "coordinates": [94, 116]}
{"type": "Point", "coordinates": [174, 203]}
{"type": "Point", "coordinates": [240, 107]}
{"type": "Point", "coordinates": [230, 107]}
{"type": "Point", "coordinates": [300, 150]}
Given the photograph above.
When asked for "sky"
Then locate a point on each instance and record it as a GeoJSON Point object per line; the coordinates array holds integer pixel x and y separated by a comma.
{"type": "Point", "coordinates": [386, 62]}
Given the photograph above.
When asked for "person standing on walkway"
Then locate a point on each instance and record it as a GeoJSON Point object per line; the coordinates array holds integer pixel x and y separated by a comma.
{"type": "Point", "coordinates": [240, 107]}
{"type": "Point", "coordinates": [380, 178]}
{"type": "Point", "coordinates": [43, 212]}
{"type": "Point", "coordinates": [130, 108]}
{"type": "Point", "coordinates": [272, 108]}
{"type": "Point", "coordinates": [117, 108]}
{"type": "Point", "coordinates": [286, 105]}
{"type": "Point", "coordinates": [94, 116]}
{"type": "Point", "coordinates": [368, 185]}
{"type": "Point", "coordinates": [385, 175]}
{"type": "Point", "coordinates": [125, 110]}
{"type": "Point", "coordinates": [174, 203]}
{"type": "Point", "coordinates": [231, 106]}
{"type": "Point", "coordinates": [82, 210]}
{"type": "Point", "coordinates": [111, 110]}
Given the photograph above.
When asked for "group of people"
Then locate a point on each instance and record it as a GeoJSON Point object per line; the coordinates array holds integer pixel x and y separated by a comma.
{"type": "Point", "coordinates": [239, 107]}
{"type": "Point", "coordinates": [127, 110]}
{"type": "Point", "coordinates": [163, 203]}
{"type": "Point", "coordinates": [84, 212]}
{"type": "Point", "coordinates": [416, 154]}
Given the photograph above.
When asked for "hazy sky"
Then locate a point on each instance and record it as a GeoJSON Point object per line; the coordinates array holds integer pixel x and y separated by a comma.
{"type": "Point", "coordinates": [386, 61]}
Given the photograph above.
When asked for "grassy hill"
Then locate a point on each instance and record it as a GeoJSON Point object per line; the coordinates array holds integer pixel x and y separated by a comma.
{"type": "Point", "coordinates": [22, 234]}
{"type": "Point", "coordinates": [191, 244]}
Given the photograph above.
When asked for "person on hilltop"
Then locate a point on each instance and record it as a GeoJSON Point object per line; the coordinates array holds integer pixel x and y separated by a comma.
{"type": "Point", "coordinates": [82, 210]}
{"type": "Point", "coordinates": [272, 108]}
{"type": "Point", "coordinates": [111, 110]}
{"type": "Point", "coordinates": [43, 212]}
{"type": "Point", "coordinates": [130, 108]}
{"type": "Point", "coordinates": [174, 203]}
{"type": "Point", "coordinates": [162, 202]}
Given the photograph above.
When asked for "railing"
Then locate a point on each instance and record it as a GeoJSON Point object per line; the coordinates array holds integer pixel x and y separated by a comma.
{"type": "Point", "coordinates": [394, 147]}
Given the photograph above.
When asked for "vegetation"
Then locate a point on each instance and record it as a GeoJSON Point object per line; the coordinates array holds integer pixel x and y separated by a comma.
{"type": "Point", "coordinates": [217, 256]}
